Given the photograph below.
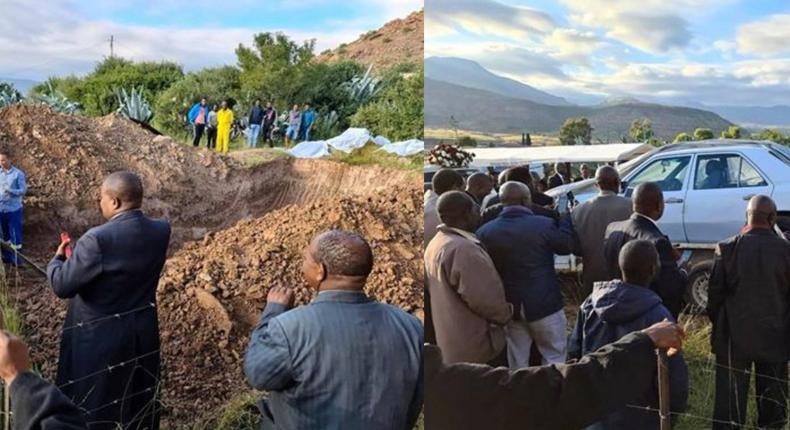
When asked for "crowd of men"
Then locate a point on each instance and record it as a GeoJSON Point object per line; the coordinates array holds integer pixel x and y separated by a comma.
{"type": "Point", "coordinates": [342, 361]}
{"type": "Point", "coordinates": [262, 122]}
{"type": "Point", "coordinates": [493, 300]}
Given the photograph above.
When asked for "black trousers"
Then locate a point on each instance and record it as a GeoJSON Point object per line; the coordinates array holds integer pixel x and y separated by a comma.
{"type": "Point", "coordinates": [733, 377]}
{"type": "Point", "coordinates": [266, 132]}
{"type": "Point", "coordinates": [198, 134]}
{"type": "Point", "coordinates": [211, 137]}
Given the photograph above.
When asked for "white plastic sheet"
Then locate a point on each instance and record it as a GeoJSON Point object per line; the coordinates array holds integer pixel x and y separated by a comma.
{"type": "Point", "coordinates": [381, 140]}
{"type": "Point", "coordinates": [314, 149]}
{"type": "Point", "coordinates": [350, 139]}
{"type": "Point", "coordinates": [405, 148]}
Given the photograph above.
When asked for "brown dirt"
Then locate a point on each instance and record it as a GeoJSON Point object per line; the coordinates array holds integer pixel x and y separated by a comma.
{"type": "Point", "coordinates": [237, 231]}
{"type": "Point", "coordinates": [398, 41]}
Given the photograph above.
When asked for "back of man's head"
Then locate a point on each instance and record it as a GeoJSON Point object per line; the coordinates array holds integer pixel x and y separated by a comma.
{"type": "Point", "coordinates": [518, 174]}
{"type": "Point", "coordinates": [761, 211]}
{"type": "Point", "coordinates": [639, 262]}
{"type": "Point", "coordinates": [479, 183]}
{"type": "Point", "coordinates": [125, 186]}
{"type": "Point", "coordinates": [514, 193]}
{"type": "Point", "coordinates": [446, 180]}
{"type": "Point", "coordinates": [456, 209]}
{"type": "Point", "coordinates": [607, 178]}
{"type": "Point", "coordinates": [649, 200]}
{"type": "Point", "coordinates": [343, 253]}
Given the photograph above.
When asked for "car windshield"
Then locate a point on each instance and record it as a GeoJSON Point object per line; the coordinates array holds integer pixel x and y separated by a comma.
{"type": "Point", "coordinates": [781, 152]}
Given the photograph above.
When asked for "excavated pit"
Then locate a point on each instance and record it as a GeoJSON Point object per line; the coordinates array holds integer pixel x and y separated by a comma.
{"type": "Point", "coordinates": [237, 231]}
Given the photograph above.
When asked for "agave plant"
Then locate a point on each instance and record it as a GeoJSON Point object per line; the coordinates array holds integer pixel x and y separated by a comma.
{"type": "Point", "coordinates": [133, 105]}
{"type": "Point", "coordinates": [363, 88]}
{"type": "Point", "coordinates": [9, 95]}
{"type": "Point", "coordinates": [57, 101]}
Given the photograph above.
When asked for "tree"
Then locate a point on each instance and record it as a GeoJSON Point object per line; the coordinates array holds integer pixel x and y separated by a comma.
{"type": "Point", "coordinates": [703, 134]}
{"type": "Point", "coordinates": [273, 68]}
{"type": "Point", "coordinates": [172, 105]}
{"type": "Point", "coordinates": [398, 111]}
{"type": "Point", "coordinates": [683, 137]}
{"type": "Point", "coordinates": [772, 135]}
{"type": "Point", "coordinates": [454, 126]}
{"type": "Point", "coordinates": [641, 130]}
{"type": "Point", "coordinates": [467, 141]}
{"type": "Point", "coordinates": [576, 130]}
{"type": "Point", "coordinates": [733, 132]}
{"type": "Point", "coordinates": [96, 91]}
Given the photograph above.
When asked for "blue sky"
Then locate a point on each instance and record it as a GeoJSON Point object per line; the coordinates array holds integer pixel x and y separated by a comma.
{"type": "Point", "coordinates": [725, 52]}
{"type": "Point", "coordinates": [58, 37]}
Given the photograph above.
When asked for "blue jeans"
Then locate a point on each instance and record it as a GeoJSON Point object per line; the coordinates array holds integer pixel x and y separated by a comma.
{"type": "Point", "coordinates": [11, 225]}
{"type": "Point", "coordinates": [307, 133]}
{"type": "Point", "coordinates": [252, 137]}
{"type": "Point", "coordinates": [292, 132]}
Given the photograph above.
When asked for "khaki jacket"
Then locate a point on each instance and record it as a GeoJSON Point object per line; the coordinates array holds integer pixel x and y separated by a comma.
{"type": "Point", "coordinates": [467, 297]}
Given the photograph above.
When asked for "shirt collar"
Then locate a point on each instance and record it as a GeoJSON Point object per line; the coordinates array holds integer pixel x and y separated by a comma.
{"type": "Point", "coordinates": [465, 234]}
{"type": "Point", "coordinates": [647, 218]}
{"type": "Point", "coordinates": [344, 296]}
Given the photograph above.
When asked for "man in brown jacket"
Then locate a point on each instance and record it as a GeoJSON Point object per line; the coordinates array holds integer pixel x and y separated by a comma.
{"type": "Point", "coordinates": [590, 220]}
{"type": "Point", "coordinates": [466, 293]}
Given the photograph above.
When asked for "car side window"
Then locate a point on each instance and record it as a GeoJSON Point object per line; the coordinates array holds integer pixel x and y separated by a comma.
{"type": "Point", "coordinates": [725, 171]}
{"type": "Point", "coordinates": [668, 173]}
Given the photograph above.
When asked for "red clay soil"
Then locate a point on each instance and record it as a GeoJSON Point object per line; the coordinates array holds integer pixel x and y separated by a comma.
{"type": "Point", "coordinates": [237, 232]}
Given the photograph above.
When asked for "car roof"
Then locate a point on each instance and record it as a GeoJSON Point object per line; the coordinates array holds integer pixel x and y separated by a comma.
{"type": "Point", "coordinates": [713, 145]}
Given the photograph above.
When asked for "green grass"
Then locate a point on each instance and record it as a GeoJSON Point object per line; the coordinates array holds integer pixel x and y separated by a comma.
{"type": "Point", "coordinates": [487, 139]}
{"type": "Point", "coordinates": [370, 155]}
{"type": "Point", "coordinates": [240, 413]}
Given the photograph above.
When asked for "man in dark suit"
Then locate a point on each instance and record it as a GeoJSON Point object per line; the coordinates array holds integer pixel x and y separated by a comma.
{"type": "Point", "coordinates": [111, 322]}
{"type": "Point", "coordinates": [466, 396]}
{"type": "Point", "coordinates": [749, 306]}
{"type": "Point", "coordinates": [648, 200]}
{"type": "Point", "coordinates": [345, 361]}
{"type": "Point", "coordinates": [560, 176]}
{"type": "Point", "coordinates": [539, 203]}
{"type": "Point", "coordinates": [35, 403]}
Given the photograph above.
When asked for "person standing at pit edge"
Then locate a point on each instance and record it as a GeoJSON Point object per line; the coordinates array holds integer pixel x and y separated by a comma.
{"type": "Point", "coordinates": [345, 361]}
{"type": "Point", "coordinates": [256, 121]}
{"type": "Point", "coordinates": [224, 122]}
{"type": "Point", "coordinates": [211, 128]}
{"type": "Point", "coordinates": [198, 116]}
{"type": "Point", "coordinates": [114, 270]}
{"type": "Point", "coordinates": [12, 188]}
{"type": "Point", "coordinates": [269, 118]}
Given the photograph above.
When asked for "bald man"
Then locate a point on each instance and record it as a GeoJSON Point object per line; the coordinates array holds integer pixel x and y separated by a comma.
{"type": "Point", "coordinates": [617, 308]}
{"type": "Point", "coordinates": [466, 294]}
{"type": "Point", "coordinates": [114, 270]}
{"type": "Point", "coordinates": [478, 186]}
{"type": "Point", "coordinates": [590, 220]}
{"type": "Point", "coordinates": [648, 205]}
{"type": "Point", "coordinates": [522, 245]}
{"type": "Point", "coordinates": [443, 181]}
{"type": "Point", "coordinates": [749, 306]}
{"type": "Point", "coordinates": [345, 361]}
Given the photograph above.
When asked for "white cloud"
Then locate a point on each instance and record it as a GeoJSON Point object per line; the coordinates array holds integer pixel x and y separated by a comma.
{"type": "Point", "coordinates": [769, 36]}
{"type": "Point", "coordinates": [486, 17]}
{"type": "Point", "coordinates": [573, 46]}
{"type": "Point", "coordinates": [68, 43]}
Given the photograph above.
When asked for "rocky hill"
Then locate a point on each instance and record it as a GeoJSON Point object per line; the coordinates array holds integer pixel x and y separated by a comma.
{"type": "Point", "coordinates": [398, 41]}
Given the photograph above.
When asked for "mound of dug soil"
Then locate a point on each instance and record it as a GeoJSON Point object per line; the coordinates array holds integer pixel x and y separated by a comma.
{"type": "Point", "coordinates": [212, 291]}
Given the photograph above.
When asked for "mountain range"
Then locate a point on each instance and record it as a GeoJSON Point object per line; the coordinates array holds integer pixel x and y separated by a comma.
{"type": "Point", "coordinates": [455, 87]}
{"type": "Point", "coordinates": [21, 85]}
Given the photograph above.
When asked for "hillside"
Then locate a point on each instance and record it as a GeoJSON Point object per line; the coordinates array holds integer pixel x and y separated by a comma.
{"type": "Point", "coordinates": [470, 74]}
{"type": "Point", "coordinates": [495, 113]}
{"type": "Point", "coordinates": [398, 41]}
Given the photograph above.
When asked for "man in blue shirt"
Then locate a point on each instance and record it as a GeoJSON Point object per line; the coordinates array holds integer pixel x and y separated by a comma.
{"type": "Point", "coordinates": [12, 189]}
{"type": "Point", "coordinates": [308, 119]}
{"type": "Point", "coordinates": [345, 361]}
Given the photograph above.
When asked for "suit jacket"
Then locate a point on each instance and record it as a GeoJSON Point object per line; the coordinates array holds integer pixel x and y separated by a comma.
{"type": "Point", "coordinates": [538, 199]}
{"type": "Point", "coordinates": [522, 246]}
{"type": "Point", "coordinates": [344, 361]}
{"type": "Point", "coordinates": [556, 180]}
{"type": "Point", "coordinates": [590, 220]}
{"type": "Point", "coordinates": [749, 297]}
{"type": "Point", "coordinates": [114, 269]}
{"type": "Point", "coordinates": [467, 298]}
{"type": "Point", "coordinates": [38, 405]}
{"type": "Point", "coordinates": [466, 396]}
{"type": "Point", "coordinates": [670, 284]}
{"type": "Point", "coordinates": [493, 211]}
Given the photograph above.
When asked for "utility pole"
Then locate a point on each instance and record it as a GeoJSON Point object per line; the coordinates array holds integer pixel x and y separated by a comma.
{"type": "Point", "coordinates": [112, 43]}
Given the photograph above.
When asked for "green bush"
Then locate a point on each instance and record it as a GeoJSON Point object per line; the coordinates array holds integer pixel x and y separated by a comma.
{"type": "Point", "coordinates": [397, 112]}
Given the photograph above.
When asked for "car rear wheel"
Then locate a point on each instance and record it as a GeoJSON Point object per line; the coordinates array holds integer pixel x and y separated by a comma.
{"type": "Point", "coordinates": [697, 294]}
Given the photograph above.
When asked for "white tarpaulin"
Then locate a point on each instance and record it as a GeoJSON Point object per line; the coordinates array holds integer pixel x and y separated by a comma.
{"type": "Point", "coordinates": [381, 140]}
{"type": "Point", "coordinates": [405, 148]}
{"type": "Point", "coordinates": [617, 152]}
{"type": "Point", "coordinates": [315, 149]}
{"type": "Point", "coordinates": [350, 139]}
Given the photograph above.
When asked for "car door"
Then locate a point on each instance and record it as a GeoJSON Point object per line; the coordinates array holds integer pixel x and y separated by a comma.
{"type": "Point", "coordinates": [716, 202]}
{"type": "Point", "coordinates": [671, 174]}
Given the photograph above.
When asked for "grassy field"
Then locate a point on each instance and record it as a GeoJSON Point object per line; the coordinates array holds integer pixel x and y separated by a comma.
{"type": "Point", "coordinates": [489, 139]}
